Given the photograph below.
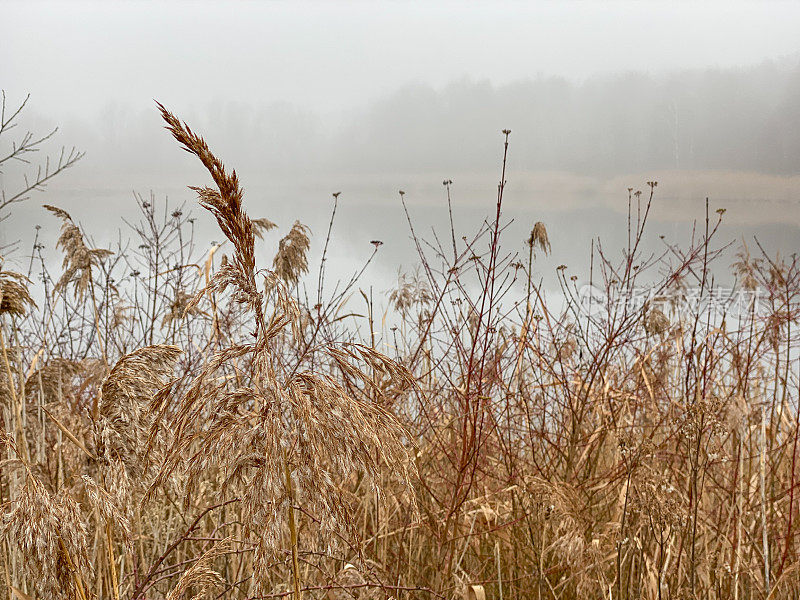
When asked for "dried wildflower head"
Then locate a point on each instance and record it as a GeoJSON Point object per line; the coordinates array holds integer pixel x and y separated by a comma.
{"type": "Point", "coordinates": [15, 299]}
{"type": "Point", "coordinates": [538, 238]}
{"type": "Point", "coordinates": [121, 315]}
{"type": "Point", "coordinates": [291, 260]}
{"type": "Point", "coordinates": [411, 291]}
{"type": "Point", "coordinates": [658, 501]}
{"type": "Point", "coordinates": [51, 377]}
{"type": "Point", "coordinates": [567, 347]}
{"type": "Point", "coordinates": [127, 393]}
{"type": "Point", "coordinates": [78, 258]}
{"type": "Point", "coordinates": [113, 501]}
{"type": "Point", "coordinates": [558, 506]}
{"type": "Point", "coordinates": [704, 416]}
{"type": "Point", "coordinates": [384, 373]}
{"type": "Point", "coordinates": [50, 532]}
{"type": "Point", "coordinates": [778, 271]}
{"type": "Point", "coordinates": [774, 326]}
{"type": "Point", "coordinates": [262, 226]}
{"type": "Point", "coordinates": [746, 268]}
{"type": "Point", "coordinates": [180, 307]}
{"type": "Point", "coordinates": [656, 322]}
{"type": "Point", "coordinates": [200, 579]}
{"type": "Point", "coordinates": [225, 203]}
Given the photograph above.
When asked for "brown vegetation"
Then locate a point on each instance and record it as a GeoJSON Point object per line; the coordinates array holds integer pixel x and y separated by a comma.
{"type": "Point", "coordinates": [178, 424]}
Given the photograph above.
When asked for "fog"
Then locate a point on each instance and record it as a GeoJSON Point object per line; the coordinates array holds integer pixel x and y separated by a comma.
{"type": "Point", "coordinates": [366, 99]}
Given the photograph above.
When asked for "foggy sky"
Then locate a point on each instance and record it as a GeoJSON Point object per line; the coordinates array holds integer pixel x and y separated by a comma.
{"type": "Point", "coordinates": [79, 56]}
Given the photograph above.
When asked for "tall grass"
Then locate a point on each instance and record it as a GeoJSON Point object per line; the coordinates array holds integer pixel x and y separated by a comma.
{"type": "Point", "coordinates": [179, 423]}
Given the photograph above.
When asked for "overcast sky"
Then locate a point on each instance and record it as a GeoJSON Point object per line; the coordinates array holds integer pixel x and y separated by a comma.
{"type": "Point", "coordinates": [77, 56]}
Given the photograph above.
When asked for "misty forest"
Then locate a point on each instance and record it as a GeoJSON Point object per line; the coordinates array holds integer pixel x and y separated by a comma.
{"type": "Point", "coordinates": [204, 396]}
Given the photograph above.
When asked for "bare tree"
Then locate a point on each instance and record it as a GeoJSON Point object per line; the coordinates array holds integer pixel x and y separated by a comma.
{"type": "Point", "coordinates": [37, 174]}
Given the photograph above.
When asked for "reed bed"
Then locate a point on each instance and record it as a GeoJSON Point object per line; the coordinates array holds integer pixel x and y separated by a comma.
{"type": "Point", "coordinates": [185, 423]}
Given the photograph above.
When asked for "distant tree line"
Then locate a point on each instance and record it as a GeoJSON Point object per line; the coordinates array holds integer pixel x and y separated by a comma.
{"type": "Point", "coordinates": [733, 119]}
{"type": "Point", "coordinates": [713, 119]}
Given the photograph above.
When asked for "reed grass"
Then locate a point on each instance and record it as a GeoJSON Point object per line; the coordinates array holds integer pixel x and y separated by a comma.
{"type": "Point", "coordinates": [184, 423]}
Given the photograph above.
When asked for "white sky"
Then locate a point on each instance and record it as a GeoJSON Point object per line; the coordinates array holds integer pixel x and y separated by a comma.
{"type": "Point", "coordinates": [75, 57]}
